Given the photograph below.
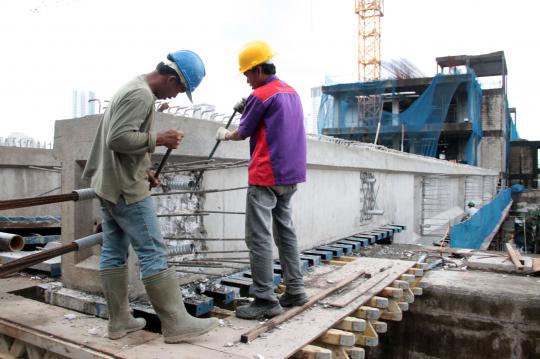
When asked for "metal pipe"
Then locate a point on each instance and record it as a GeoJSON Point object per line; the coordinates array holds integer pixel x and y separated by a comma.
{"type": "Point", "coordinates": [11, 242]}
{"type": "Point", "coordinates": [89, 241]}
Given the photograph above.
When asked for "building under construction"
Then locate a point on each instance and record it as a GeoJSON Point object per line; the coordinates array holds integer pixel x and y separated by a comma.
{"type": "Point", "coordinates": [395, 262]}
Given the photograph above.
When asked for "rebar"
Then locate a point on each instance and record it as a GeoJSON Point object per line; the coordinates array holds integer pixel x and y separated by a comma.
{"type": "Point", "coordinates": [200, 273]}
{"type": "Point", "coordinates": [204, 239]}
{"type": "Point", "coordinates": [212, 252]}
{"type": "Point", "coordinates": [198, 191]}
{"type": "Point", "coordinates": [81, 194]}
{"type": "Point", "coordinates": [199, 175]}
{"type": "Point", "coordinates": [183, 214]}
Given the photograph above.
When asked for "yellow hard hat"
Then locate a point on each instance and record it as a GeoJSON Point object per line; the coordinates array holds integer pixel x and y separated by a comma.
{"type": "Point", "coordinates": [254, 53]}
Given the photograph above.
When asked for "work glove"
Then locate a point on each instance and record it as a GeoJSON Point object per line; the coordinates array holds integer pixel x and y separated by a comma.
{"type": "Point", "coordinates": [220, 134]}
{"type": "Point", "coordinates": [240, 106]}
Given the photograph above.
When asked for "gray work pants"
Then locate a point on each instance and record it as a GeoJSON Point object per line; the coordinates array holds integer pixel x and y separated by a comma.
{"type": "Point", "coordinates": [268, 211]}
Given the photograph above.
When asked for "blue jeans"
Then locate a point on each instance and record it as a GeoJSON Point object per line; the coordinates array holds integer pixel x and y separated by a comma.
{"type": "Point", "coordinates": [137, 224]}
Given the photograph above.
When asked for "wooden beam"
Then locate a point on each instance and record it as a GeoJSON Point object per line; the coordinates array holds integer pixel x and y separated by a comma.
{"type": "Point", "coordinates": [355, 353]}
{"type": "Point", "coordinates": [392, 292]}
{"type": "Point", "coordinates": [393, 312]}
{"type": "Point", "coordinates": [365, 312]}
{"type": "Point", "coordinates": [417, 291]}
{"type": "Point", "coordinates": [378, 302]}
{"type": "Point", "coordinates": [380, 327]}
{"type": "Point", "coordinates": [408, 296]}
{"type": "Point", "coordinates": [398, 283]}
{"type": "Point", "coordinates": [369, 337]}
{"type": "Point", "coordinates": [313, 352]}
{"type": "Point", "coordinates": [351, 324]}
{"type": "Point", "coordinates": [514, 256]}
{"type": "Point", "coordinates": [338, 337]}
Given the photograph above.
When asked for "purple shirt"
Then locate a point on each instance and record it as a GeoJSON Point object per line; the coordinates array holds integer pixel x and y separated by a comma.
{"type": "Point", "coordinates": [274, 121]}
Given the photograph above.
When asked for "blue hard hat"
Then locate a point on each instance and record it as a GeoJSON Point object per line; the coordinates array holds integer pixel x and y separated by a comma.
{"type": "Point", "coordinates": [192, 68]}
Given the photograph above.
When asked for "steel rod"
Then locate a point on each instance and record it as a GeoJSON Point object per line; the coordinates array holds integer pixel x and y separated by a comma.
{"type": "Point", "coordinates": [198, 191]}
{"type": "Point", "coordinates": [211, 252]}
{"type": "Point", "coordinates": [204, 239]}
{"type": "Point", "coordinates": [183, 214]}
{"type": "Point", "coordinates": [161, 164]}
{"type": "Point", "coordinates": [199, 175]}
{"type": "Point", "coordinates": [194, 272]}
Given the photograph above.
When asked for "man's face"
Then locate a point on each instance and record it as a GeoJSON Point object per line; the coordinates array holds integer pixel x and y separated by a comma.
{"type": "Point", "coordinates": [171, 88]}
{"type": "Point", "coordinates": [254, 77]}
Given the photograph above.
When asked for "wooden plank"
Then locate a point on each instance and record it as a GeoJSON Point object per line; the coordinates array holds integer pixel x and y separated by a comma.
{"type": "Point", "coordinates": [274, 322]}
{"type": "Point", "coordinates": [347, 298]}
{"type": "Point", "coordinates": [307, 326]}
{"type": "Point", "coordinates": [514, 257]}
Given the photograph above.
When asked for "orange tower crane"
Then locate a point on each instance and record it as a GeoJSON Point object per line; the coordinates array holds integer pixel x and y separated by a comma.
{"type": "Point", "coordinates": [369, 38]}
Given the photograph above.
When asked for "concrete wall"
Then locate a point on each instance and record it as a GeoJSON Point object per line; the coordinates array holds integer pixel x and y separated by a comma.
{"type": "Point", "coordinates": [29, 172]}
{"type": "Point", "coordinates": [326, 207]}
{"type": "Point", "coordinates": [492, 152]}
{"type": "Point", "coordinates": [467, 315]}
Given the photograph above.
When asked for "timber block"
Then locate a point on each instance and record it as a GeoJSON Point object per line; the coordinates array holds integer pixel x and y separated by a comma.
{"type": "Point", "coordinates": [378, 302]}
{"type": "Point", "coordinates": [338, 337]}
{"type": "Point", "coordinates": [336, 251]}
{"type": "Point", "coordinates": [347, 248]}
{"type": "Point", "coordinates": [417, 290]}
{"type": "Point", "coordinates": [355, 353]}
{"type": "Point", "coordinates": [351, 324]}
{"type": "Point", "coordinates": [312, 260]}
{"type": "Point", "coordinates": [404, 306]}
{"type": "Point", "coordinates": [393, 312]}
{"type": "Point", "coordinates": [369, 337]}
{"type": "Point", "coordinates": [364, 242]}
{"type": "Point", "coordinates": [355, 245]}
{"type": "Point", "coordinates": [392, 292]}
{"type": "Point", "coordinates": [398, 283]}
{"type": "Point", "coordinates": [380, 327]}
{"type": "Point", "coordinates": [313, 352]}
{"type": "Point", "coordinates": [365, 312]}
{"type": "Point", "coordinates": [417, 272]}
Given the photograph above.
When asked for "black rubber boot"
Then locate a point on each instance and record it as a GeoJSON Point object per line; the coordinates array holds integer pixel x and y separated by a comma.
{"type": "Point", "coordinates": [290, 300]}
{"type": "Point", "coordinates": [259, 308]}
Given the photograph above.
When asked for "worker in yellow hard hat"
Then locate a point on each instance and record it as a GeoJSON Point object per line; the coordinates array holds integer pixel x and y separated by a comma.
{"type": "Point", "coordinates": [273, 119]}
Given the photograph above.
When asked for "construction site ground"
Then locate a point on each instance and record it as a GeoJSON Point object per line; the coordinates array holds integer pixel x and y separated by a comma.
{"type": "Point", "coordinates": [72, 334]}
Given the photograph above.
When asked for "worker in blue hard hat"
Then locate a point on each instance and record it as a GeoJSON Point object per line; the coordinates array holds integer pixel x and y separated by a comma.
{"type": "Point", "coordinates": [118, 170]}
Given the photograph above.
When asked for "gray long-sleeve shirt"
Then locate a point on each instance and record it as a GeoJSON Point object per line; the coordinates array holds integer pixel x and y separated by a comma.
{"type": "Point", "coordinates": [120, 154]}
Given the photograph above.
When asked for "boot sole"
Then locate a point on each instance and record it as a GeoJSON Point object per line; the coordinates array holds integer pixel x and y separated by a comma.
{"type": "Point", "coordinates": [265, 314]}
{"type": "Point", "coordinates": [118, 335]}
{"type": "Point", "coordinates": [180, 338]}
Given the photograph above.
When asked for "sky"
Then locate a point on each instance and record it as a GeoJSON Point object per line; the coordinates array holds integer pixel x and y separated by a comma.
{"type": "Point", "coordinates": [51, 47]}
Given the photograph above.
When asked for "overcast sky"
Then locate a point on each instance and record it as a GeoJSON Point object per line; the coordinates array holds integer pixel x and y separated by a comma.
{"type": "Point", "coordinates": [99, 45]}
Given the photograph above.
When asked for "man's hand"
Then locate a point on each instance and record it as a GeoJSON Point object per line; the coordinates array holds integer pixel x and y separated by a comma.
{"type": "Point", "coordinates": [163, 107]}
{"type": "Point", "coordinates": [154, 181]}
{"type": "Point", "coordinates": [222, 134]}
{"type": "Point", "coordinates": [170, 138]}
{"type": "Point", "coordinates": [240, 106]}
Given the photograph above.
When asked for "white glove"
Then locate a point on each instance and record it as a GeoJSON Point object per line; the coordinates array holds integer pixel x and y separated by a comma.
{"type": "Point", "coordinates": [240, 106]}
{"type": "Point", "coordinates": [221, 133]}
